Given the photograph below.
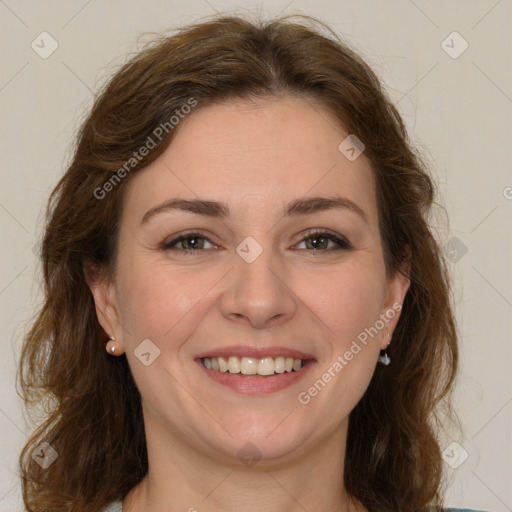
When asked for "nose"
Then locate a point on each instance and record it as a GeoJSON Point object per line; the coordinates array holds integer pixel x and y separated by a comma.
{"type": "Point", "coordinates": [258, 292]}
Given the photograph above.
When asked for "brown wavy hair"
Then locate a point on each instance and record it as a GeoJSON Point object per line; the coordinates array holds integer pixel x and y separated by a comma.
{"type": "Point", "coordinates": [92, 407]}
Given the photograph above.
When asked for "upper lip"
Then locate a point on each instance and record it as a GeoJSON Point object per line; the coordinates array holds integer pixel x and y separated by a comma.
{"type": "Point", "coordinates": [255, 352]}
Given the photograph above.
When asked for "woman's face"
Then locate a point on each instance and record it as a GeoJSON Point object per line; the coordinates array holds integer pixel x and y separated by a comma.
{"type": "Point", "coordinates": [252, 281]}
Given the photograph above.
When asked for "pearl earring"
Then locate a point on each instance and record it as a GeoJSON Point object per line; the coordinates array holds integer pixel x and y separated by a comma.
{"type": "Point", "coordinates": [111, 347]}
{"type": "Point", "coordinates": [383, 357]}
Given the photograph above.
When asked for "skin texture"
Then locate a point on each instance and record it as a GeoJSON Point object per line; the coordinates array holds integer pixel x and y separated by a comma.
{"type": "Point", "coordinates": [256, 157]}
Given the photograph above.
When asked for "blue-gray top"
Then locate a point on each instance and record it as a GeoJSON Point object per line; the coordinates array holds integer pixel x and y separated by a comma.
{"type": "Point", "coordinates": [117, 506]}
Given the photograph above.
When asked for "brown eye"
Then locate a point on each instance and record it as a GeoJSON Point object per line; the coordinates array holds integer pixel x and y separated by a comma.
{"type": "Point", "coordinates": [320, 240]}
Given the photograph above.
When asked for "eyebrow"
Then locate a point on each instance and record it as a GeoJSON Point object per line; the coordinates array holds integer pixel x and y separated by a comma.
{"type": "Point", "coordinates": [219, 209]}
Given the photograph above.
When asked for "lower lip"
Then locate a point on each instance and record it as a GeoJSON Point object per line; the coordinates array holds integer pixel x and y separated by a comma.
{"type": "Point", "coordinates": [256, 384]}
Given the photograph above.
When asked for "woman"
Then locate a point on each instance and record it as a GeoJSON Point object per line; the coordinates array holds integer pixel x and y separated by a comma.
{"type": "Point", "coordinates": [245, 307]}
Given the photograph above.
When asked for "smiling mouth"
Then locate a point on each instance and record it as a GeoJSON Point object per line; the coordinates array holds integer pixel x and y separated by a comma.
{"type": "Point", "coordinates": [263, 367]}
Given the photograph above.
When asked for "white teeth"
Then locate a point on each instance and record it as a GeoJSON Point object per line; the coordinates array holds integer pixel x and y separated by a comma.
{"type": "Point", "coordinates": [223, 365]}
{"type": "Point", "coordinates": [233, 365]}
{"type": "Point", "coordinates": [279, 365]}
{"type": "Point", "coordinates": [249, 366]}
{"type": "Point", "coordinates": [253, 366]}
{"type": "Point", "coordinates": [266, 366]}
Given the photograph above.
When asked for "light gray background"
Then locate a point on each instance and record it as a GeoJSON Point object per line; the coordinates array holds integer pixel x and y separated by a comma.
{"type": "Point", "coordinates": [459, 109]}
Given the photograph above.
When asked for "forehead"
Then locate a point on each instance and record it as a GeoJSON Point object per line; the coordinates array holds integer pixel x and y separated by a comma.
{"type": "Point", "coordinates": [261, 153]}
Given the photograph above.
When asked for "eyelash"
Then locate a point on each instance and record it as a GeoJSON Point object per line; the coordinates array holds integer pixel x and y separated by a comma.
{"type": "Point", "coordinates": [342, 242]}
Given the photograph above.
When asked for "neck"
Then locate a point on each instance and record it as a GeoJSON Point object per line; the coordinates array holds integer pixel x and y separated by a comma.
{"type": "Point", "coordinates": [182, 477]}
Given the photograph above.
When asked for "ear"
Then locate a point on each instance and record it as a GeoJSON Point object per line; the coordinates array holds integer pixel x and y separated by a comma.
{"type": "Point", "coordinates": [105, 300]}
{"type": "Point", "coordinates": [397, 287]}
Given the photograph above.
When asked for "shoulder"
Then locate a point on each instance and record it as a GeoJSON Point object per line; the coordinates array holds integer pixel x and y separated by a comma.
{"type": "Point", "coordinates": [115, 506]}
{"type": "Point", "coordinates": [462, 510]}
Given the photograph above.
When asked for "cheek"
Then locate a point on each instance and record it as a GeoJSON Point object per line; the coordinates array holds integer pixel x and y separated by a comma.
{"type": "Point", "coordinates": [149, 299]}
{"type": "Point", "coordinates": [350, 303]}
{"type": "Point", "coordinates": [158, 302]}
{"type": "Point", "coordinates": [348, 299]}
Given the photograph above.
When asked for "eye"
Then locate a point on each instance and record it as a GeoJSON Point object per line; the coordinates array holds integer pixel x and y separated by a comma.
{"type": "Point", "coordinates": [190, 242]}
{"type": "Point", "coordinates": [316, 240]}
{"type": "Point", "coordinates": [320, 240]}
